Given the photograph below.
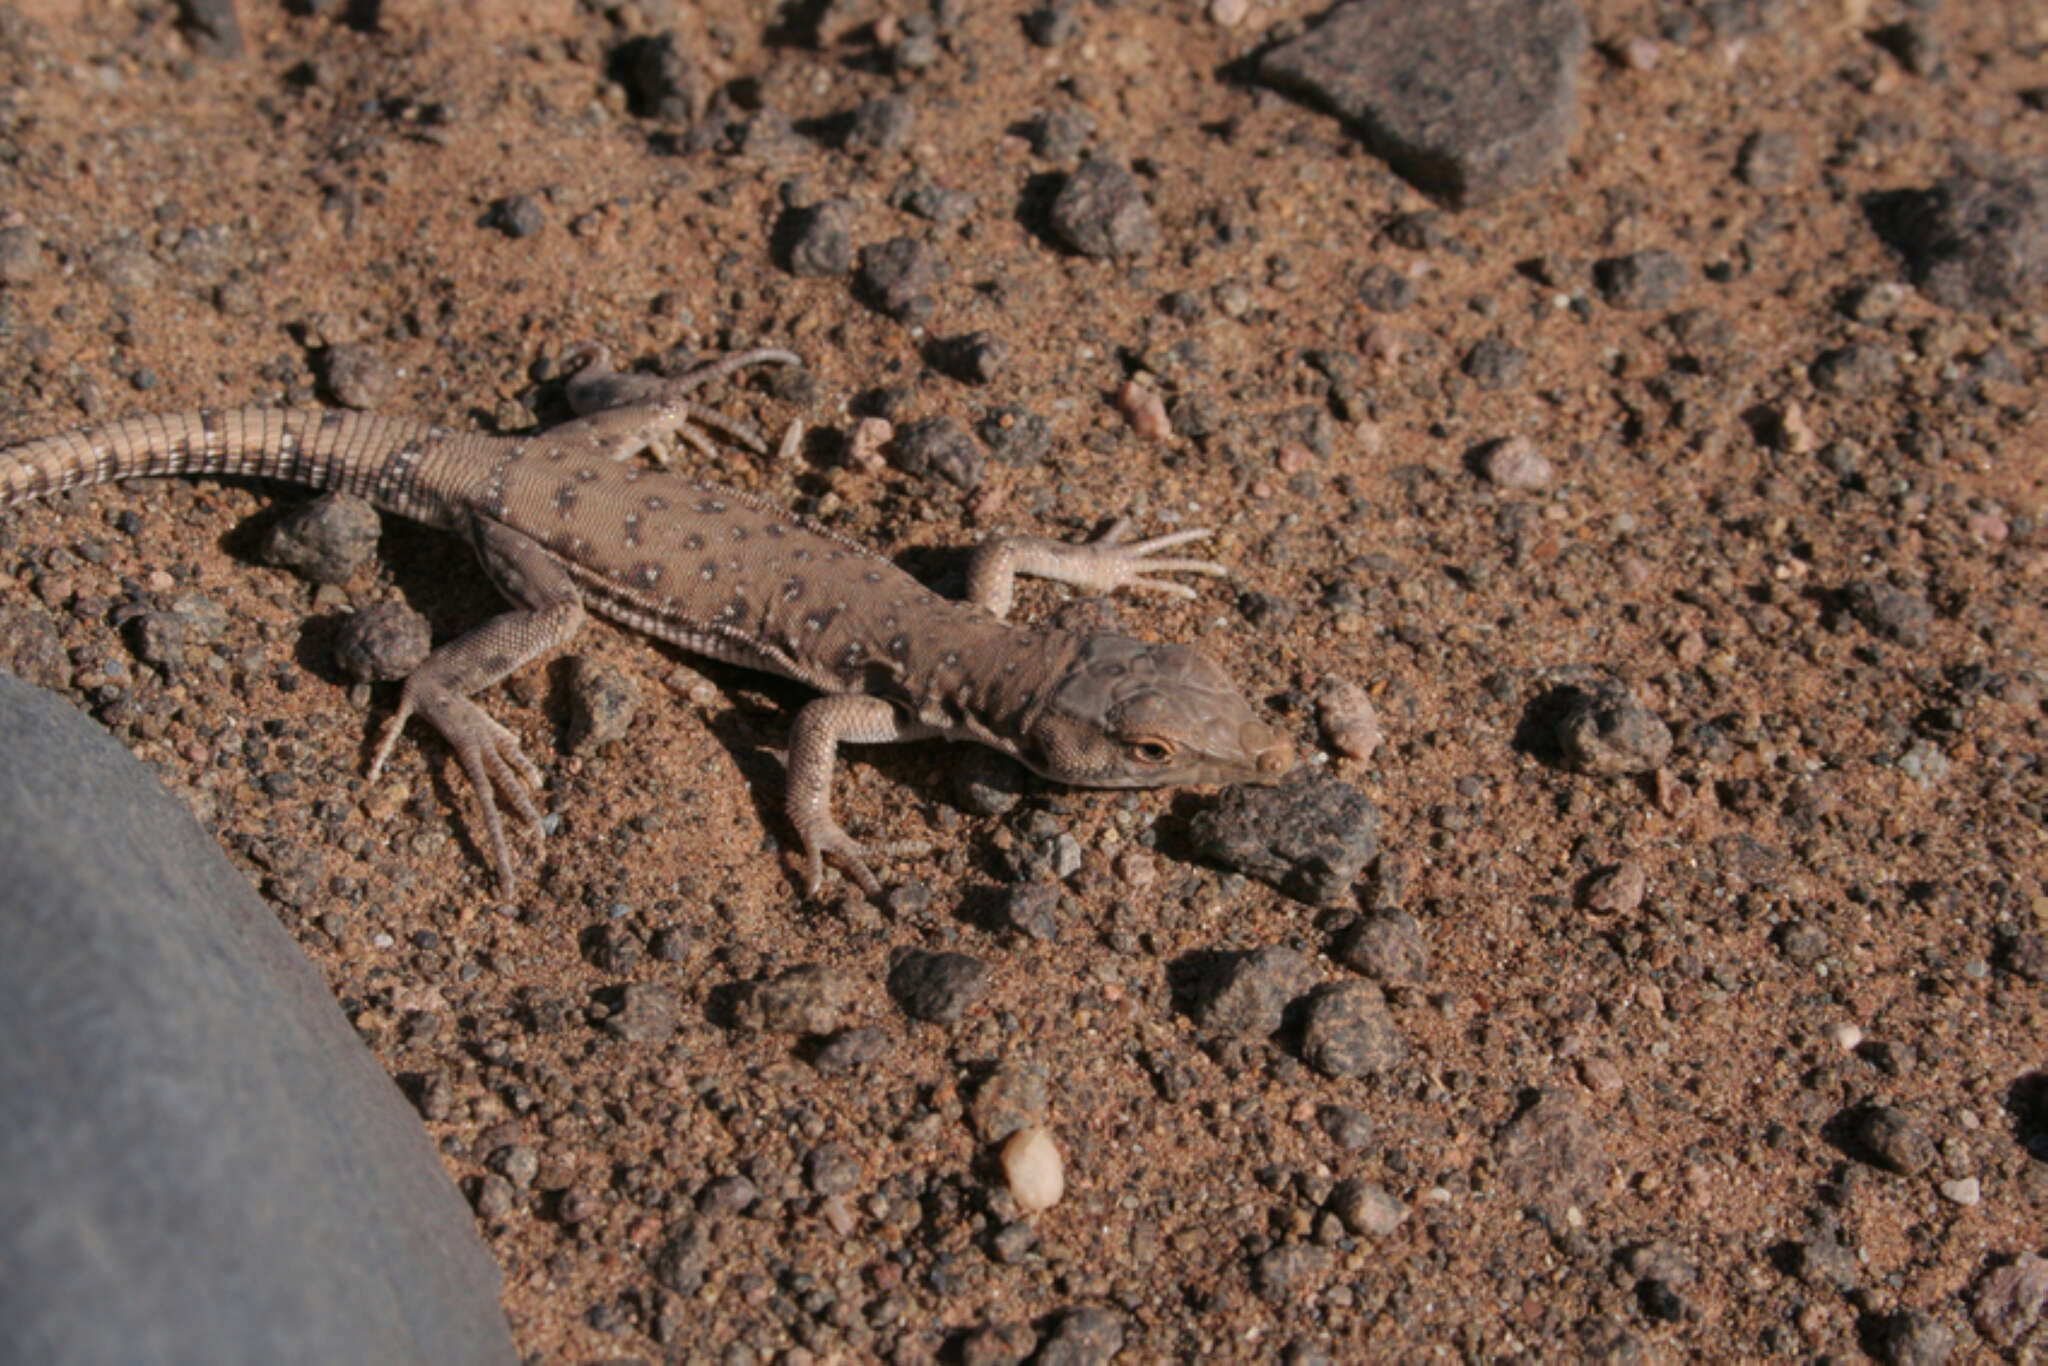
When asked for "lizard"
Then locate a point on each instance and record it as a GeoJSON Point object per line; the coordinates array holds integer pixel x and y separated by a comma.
{"type": "Point", "coordinates": [565, 522]}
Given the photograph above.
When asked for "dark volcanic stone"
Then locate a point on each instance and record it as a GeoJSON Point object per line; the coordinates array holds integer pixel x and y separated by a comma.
{"type": "Point", "coordinates": [661, 80]}
{"type": "Point", "coordinates": [1971, 241]}
{"type": "Point", "coordinates": [1888, 1137]}
{"type": "Point", "coordinates": [603, 701]}
{"type": "Point", "coordinates": [1642, 279]}
{"type": "Point", "coordinates": [357, 376]}
{"type": "Point", "coordinates": [516, 216]}
{"type": "Point", "coordinates": [1855, 369]}
{"type": "Point", "coordinates": [647, 1013]}
{"type": "Point", "coordinates": [1469, 99]}
{"type": "Point", "coordinates": [1494, 364]}
{"type": "Point", "coordinates": [1085, 1336]}
{"type": "Point", "coordinates": [1604, 731]}
{"type": "Point", "coordinates": [384, 641]}
{"type": "Point", "coordinates": [1100, 211]}
{"type": "Point", "coordinates": [326, 540]}
{"type": "Point", "coordinates": [1348, 1032]}
{"type": "Point", "coordinates": [1911, 1337]}
{"type": "Point", "coordinates": [1890, 612]}
{"type": "Point", "coordinates": [196, 1151]}
{"type": "Point", "coordinates": [1311, 836]}
{"type": "Point", "coordinates": [936, 446]}
{"type": "Point", "coordinates": [1247, 994]}
{"type": "Point", "coordinates": [897, 277]}
{"type": "Point", "coordinates": [818, 240]}
{"type": "Point", "coordinates": [939, 987]}
{"type": "Point", "coordinates": [882, 125]}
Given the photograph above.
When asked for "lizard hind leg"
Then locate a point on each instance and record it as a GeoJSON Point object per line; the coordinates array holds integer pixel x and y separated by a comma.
{"type": "Point", "coordinates": [547, 613]}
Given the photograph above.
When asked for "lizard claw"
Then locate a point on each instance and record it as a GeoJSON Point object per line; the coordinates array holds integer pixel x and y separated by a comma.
{"type": "Point", "coordinates": [1114, 563]}
{"type": "Point", "coordinates": [824, 838]}
{"type": "Point", "coordinates": [491, 758]}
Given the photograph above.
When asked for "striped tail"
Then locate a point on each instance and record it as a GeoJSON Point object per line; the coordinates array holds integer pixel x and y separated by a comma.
{"type": "Point", "coordinates": [361, 453]}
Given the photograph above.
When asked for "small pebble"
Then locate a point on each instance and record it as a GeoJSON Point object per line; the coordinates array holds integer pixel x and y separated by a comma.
{"type": "Point", "coordinates": [1515, 464]}
{"type": "Point", "coordinates": [1033, 1168]}
{"type": "Point", "coordinates": [1847, 1037]}
{"type": "Point", "coordinates": [1965, 1191]}
{"type": "Point", "coordinates": [1350, 722]}
{"type": "Point", "coordinates": [1145, 410]}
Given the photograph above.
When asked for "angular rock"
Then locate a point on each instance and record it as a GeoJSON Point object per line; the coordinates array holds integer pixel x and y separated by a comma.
{"type": "Point", "coordinates": [1971, 241]}
{"type": "Point", "coordinates": [1604, 731]}
{"type": "Point", "coordinates": [1100, 211]}
{"type": "Point", "coordinates": [1247, 994]}
{"type": "Point", "coordinates": [384, 641]}
{"type": "Point", "coordinates": [2013, 1300]}
{"type": "Point", "coordinates": [1348, 1032]}
{"type": "Point", "coordinates": [1311, 836]}
{"type": "Point", "coordinates": [1468, 99]}
{"type": "Point", "coordinates": [939, 987]}
{"type": "Point", "coordinates": [326, 539]}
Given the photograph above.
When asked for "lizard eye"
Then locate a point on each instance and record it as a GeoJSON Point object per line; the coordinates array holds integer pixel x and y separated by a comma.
{"type": "Point", "coordinates": [1152, 751]}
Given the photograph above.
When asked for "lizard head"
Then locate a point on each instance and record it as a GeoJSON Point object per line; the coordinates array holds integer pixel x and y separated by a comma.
{"type": "Point", "coordinates": [1132, 714]}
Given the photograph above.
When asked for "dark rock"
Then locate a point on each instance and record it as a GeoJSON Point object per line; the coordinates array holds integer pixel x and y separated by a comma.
{"type": "Point", "coordinates": [1311, 836]}
{"type": "Point", "coordinates": [977, 358]}
{"type": "Point", "coordinates": [882, 125]}
{"type": "Point", "coordinates": [1013, 1097]}
{"type": "Point", "coordinates": [1768, 160]}
{"type": "Point", "coordinates": [1367, 1209]}
{"type": "Point", "coordinates": [1383, 289]}
{"type": "Point", "coordinates": [1642, 280]}
{"type": "Point", "coordinates": [1061, 134]}
{"type": "Point", "coordinates": [1604, 731]}
{"type": "Point", "coordinates": [832, 1169]}
{"type": "Point", "coordinates": [357, 376]}
{"type": "Point", "coordinates": [1051, 25]}
{"type": "Point", "coordinates": [807, 999]}
{"type": "Point", "coordinates": [326, 540]}
{"type": "Point", "coordinates": [2012, 1301]}
{"type": "Point", "coordinates": [851, 1050]}
{"type": "Point", "coordinates": [1000, 1344]}
{"type": "Point", "coordinates": [196, 1151]}
{"type": "Point", "coordinates": [1287, 1271]}
{"type": "Point", "coordinates": [1084, 1336]}
{"type": "Point", "coordinates": [1889, 1137]}
{"type": "Point", "coordinates": [818, 240]}
{"type": "Point", "coordinates": [1349, 1127]}
{"type": "Point", "coordinates": [603, 700]}
{"type": "Point", "coordinates": [1032, 910]}
{"type": "Point", "coordinates": [1911, 1337]}
{"type": "Point", "coordinates": [1913, 42]}
{"type": "Point", "coordinates": [1890, 612]}
{"type": "Point", "coordinates": [1551, 1156]}
{"type": "Point", "coordinates": [1823, 1263]}
{"type": "Point", "coordinates": [1247, 994]}
{"type": "Point", "coordinates": [731, 1194]}
{"type": "Point", "coordinates": [939, 987]}
{"type": "Point", "coordinates": [211, 27]}
{"type": "Point", "coordinates": [158, 639]}
{"type": "Point", "coordinates": [31, 649]}
{"type": "Point", "coordinates": [1015, 436]}
{"type": "Point", "coordinates": [1468, 99]}
{"type": "Point", "coordinates": [897, 278]}
{"type": "Point", "coordinates": [384, 641]}
{"type": "Point", "coordinates": [661, 80]}
{"type": "Point", "coordinates": [1858, 368]}
{"type": "Point", "coordinates": [681, 1262]}
{"type": "Point", "coordinates": [1494, 364]}
{"type": "Point", "coordinates": [1971, 241]}
{"type": "Point", "coordinates": [1100, 211]}
{"type": "Point", "coordinates": [2025, 956]}
{"type": "Point", "coordinates": [936, 446]}
{"type": "Point", "coordinates": [648, 1013]}
{"type": "Point", "coordinates": [1347, 1032]}
{"type": "Point", "coordinates": [516, 216]}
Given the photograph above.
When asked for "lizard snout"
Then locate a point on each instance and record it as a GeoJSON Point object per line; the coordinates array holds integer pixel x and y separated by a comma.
{"type": "Point", "coordinates": [1272, 755]}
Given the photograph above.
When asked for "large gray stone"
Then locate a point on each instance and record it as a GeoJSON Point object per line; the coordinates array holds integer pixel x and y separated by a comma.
{"type": "Point", "coordinates": [1468, 99]}
{"type": "Point", "coordinates": [199, 1162]}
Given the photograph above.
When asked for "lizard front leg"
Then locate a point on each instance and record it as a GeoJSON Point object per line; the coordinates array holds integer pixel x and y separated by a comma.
{"type": "Point", "coordinates": [548, 612]}
{"type": "Point", "coordinates": [1102, 565]}
{"type": "Point", "coordinates": [624, 414]}
{"type": "Point", "coordinates": [821, 727]}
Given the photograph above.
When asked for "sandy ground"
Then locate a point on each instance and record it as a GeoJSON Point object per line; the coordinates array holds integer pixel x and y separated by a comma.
{"type": "Point", "coordinates": [1738, 1054]}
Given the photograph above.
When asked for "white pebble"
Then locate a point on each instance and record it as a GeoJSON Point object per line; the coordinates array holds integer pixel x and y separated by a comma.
{"type": "Point", "coordinates": [1963, 1191]}
{"type": "Point", "coordinates": [1515, 464]}
{"type": "Point", "coordinates": [1032, 1166]}
{"type": "Point", "coordinates": [1846, 1037]}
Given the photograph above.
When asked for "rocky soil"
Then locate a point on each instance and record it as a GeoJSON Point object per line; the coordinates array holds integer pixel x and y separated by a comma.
{"type": "Point", "coordinates": [1625, 427]}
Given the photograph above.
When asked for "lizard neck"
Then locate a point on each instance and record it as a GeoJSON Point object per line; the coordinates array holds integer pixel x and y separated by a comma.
{"type": "Point", "coordinates": [991, 682]}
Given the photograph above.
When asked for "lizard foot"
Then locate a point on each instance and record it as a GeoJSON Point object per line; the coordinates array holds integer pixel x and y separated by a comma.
{"type": "Point", "coordinates": [490, 755]}
{"type": "Point", "coordinates": [825, 840]}
{"type": "Point", "coordinates": [597, 388]}
{"type": "Point", "coordinates": [1108, 562]}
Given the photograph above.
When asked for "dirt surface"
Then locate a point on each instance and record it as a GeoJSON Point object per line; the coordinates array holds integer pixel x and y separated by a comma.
{"type": "Point", "coordinates": [1710, 1024]}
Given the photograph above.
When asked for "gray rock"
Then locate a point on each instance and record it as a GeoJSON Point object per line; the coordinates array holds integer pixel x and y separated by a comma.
{"type": "Point", "coordinates": [2012, 1300]}
{"type": "Point", "coordinates": [384, 641]}
{"type": "Point", "coordinates": [1311, 836]}
{"type": "Point", "coordinates": [357, 376]}
{"type": "Point", "coordinates": [1972, 241]}
{"type": "Point", "coordinates": [1248, 993]}
{"type": "Point", "coordinates": [1911, 1337]}
{"type": "Point", "coordinates": [1468, 99]}
{"type": "Point", "coordinates": [1893, 613]}
{"type": "Point", "coordinates": [1642, 280]}
{"type": "Point", "coordinates": [897, 277]}
{"type": "Point", "coordinates": [1348, 1032]}
{"type": "Point", "coordinates": [936, 447]}
{"type": "Point", "coordinates": [1100, 211]}
{"type": "Point", "coordinates": [603, 700]}
{"type": "Point", "coordinates": [1603, 730]}
{"type": "Point", "coordinates": [807, 999]}
{"type": "Point", "coordinates": [1889, 1137]}
{"type": "Point", "coordinates": [1084, 1336]}
{"type": "Point", "coordinates": [1550, 1155]}
{"type": "Point", "coordinates": [939, 987]}
{"type": "Point", "coordinates": [327, 540]}
{"type": "Point", "coordinates": [195, 1150]}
